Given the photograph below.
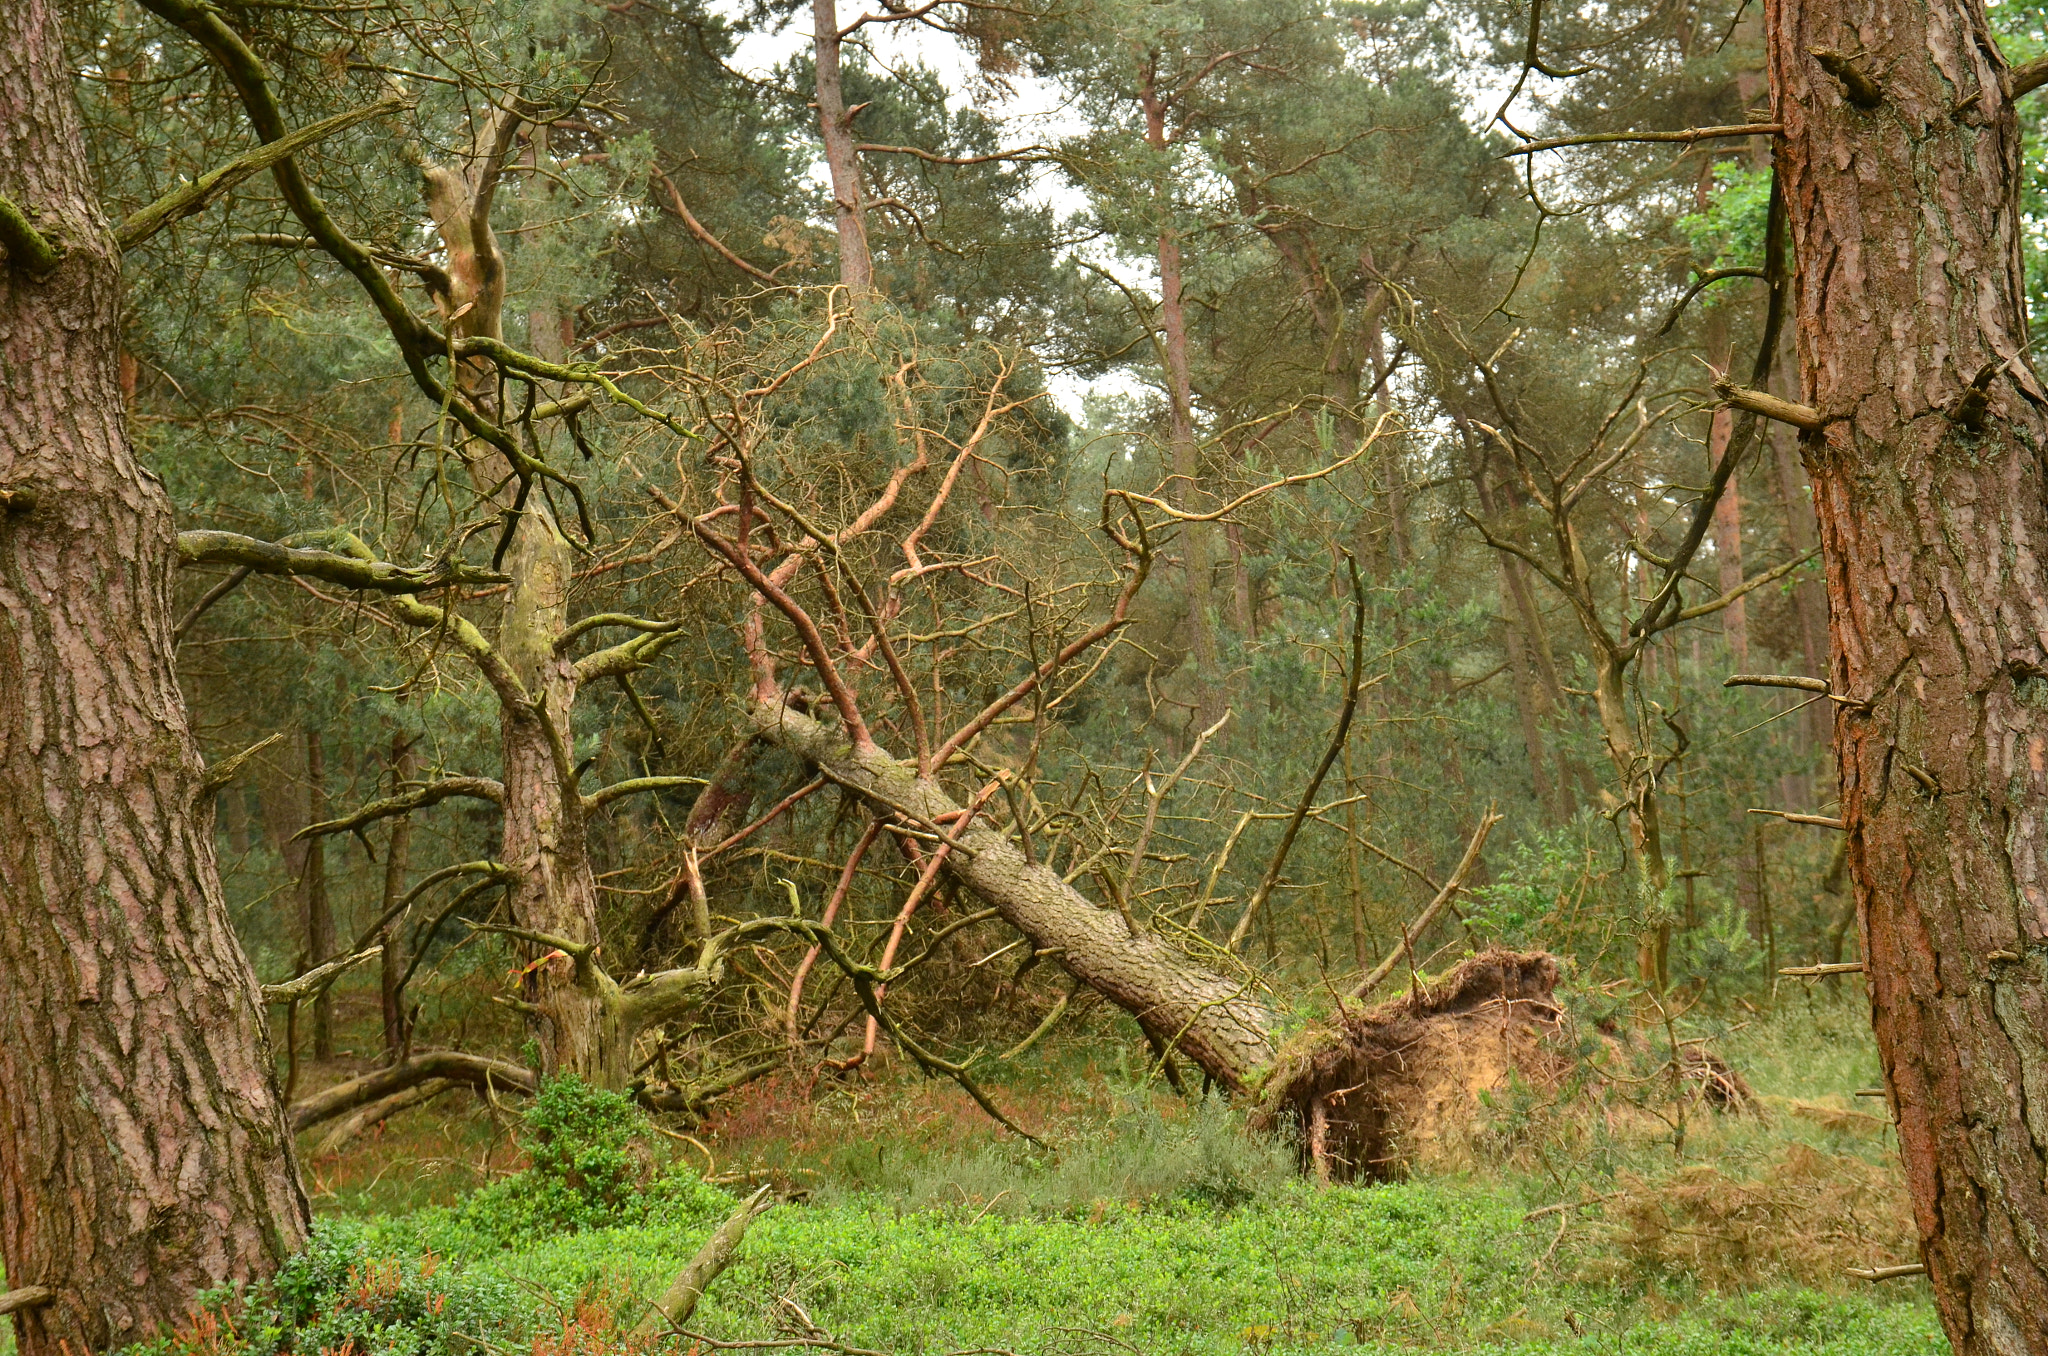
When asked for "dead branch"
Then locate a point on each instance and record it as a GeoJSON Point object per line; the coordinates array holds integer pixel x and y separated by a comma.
{"type": "Point", "coordinates": [455, 1066]}
{"type": "Point", "coordinates": [432, 793]}
{"type": "Point", "coordinates": [1686, 137]}
{"type": "Point", "coordinates": [208, 188]}
{"type": "Point", "coordinates": [383, 1109]}
{"type": "Point", "coordinates": [1436, 906]}
{"type": "Point", "coordinates": [227, 769]}
{"type": "Point", "coordinates": [680, 1301]}
{"type": "Point", "coordinates": [375, 576]}
{"type": "Point", "coordinates": [317, 978]}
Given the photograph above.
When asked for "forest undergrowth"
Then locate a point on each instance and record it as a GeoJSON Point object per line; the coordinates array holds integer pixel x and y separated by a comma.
{"type": "Point", "coordinates": [1590, 1218]}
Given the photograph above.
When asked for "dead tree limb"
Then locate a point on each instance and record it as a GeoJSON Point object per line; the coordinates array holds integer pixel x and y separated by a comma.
{"type": "Point", "coordinates": [680, 1300]}
{"type": "Point", "coordinates": [1436, 906]}
{"type": "Point", "coordinates": [454, 1066]}
{"type": "Point", "coordinates": [1224, 1030]}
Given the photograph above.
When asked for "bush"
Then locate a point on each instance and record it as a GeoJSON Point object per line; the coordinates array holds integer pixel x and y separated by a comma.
{"type": "Point", "coordinates": [337, 1298]}
{"type": "Point", "coordinates": [588, 1167]}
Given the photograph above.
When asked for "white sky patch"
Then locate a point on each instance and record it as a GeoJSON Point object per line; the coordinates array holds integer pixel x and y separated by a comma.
{"type": "Point", "coordinates": [1037, 112]}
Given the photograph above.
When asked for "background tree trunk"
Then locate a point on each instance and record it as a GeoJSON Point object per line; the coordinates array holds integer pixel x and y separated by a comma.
{"type": "Point", "coordinates": [405, 765]}
{"type": "Point", "coordinates": [849, 209]}
{"type": "Point", "coordinates": [313, 893]}
{"type": "Point", "coordinates": [1905, 218]}
{"type": "Point", "coordinates": [143, 1153]}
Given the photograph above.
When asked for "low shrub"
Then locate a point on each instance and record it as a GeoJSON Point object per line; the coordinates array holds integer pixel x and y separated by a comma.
{"type": "Point", "coordinates": [589, 1166]}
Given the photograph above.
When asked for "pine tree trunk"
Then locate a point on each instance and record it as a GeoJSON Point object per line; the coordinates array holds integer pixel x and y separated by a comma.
{"type": "Point", "coordinates": [1905, 218]}
{"type": "Point", "coordinates": [313, 893]}
{"type": "Point", "coordinates": [397, 863]}
{"type": "Point", "coordinates": [143, 1153]}
{"type": "Point", "coordinates": [842, 162]}
{"type": "Point", "coordinates": [544, 835]}
{"type": "Point", "coordinates": [1728, 547]}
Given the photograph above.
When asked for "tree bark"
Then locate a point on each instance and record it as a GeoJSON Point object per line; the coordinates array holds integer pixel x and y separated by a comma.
{"type": "Point", "coordinates": [1197, 539]}
{"type": "Point", "coordinates": [143, 1153]}
{"type": "Point", "coordinates": [842, 162]}
{"type": "Point", "coordinates": [319, 913]}
{"type": "Point", "coordinates": [1216, 1021]}
{"type": "Point", "coordinates": [405, 764]}
{"type": "Point", "coordinates": [1906, 222]}
{"type": "Point", "coordinates": [1728, 546]}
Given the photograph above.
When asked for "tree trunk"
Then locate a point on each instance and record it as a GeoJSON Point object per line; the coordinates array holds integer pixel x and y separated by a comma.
{"type": "Point", "coordinates": [544, 832]}
{"type": "Point", "coordinates": [1728, 546]}
{"type": "Point", "coordinates": [1633, 767]}
{"type": "Point", "coordinates": [1197, 539]}
{"type": "Point", "coordinates": [1216, 1021]}
{"type": "Point", "coordinates": [405, 763]}
{"type": "Point", "coordinates": [842, 162]}
{"type": "Point", "coordinates": [143, 1153]}
{"type": "Point", "coordinates": [1809, 603]}
{"type": "Point", "coordinates": [1905, 218]}
{"type": "Point", "coordinates": [319, 913]}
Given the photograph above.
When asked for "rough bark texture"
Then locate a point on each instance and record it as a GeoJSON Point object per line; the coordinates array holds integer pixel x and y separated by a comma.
{"type": "Point", "coordinates": [835, 128]}
{"type": "Point", "coordinates": [544, 835]}
{"type": "Point", "coordinates": [143, 1153]}
{"type": "Point", "coordinates": [1905, 220]}
{"type": "Point", "coordinates": [1218, 1022]}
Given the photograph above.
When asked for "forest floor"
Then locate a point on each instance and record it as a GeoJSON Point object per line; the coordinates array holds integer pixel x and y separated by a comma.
{"type": "Point", "coordinates": [1156, 1227]}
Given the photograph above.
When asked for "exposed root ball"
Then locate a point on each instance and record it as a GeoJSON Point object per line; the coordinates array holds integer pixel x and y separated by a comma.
{"type": "Point", "coordinates": [1382, 1087]}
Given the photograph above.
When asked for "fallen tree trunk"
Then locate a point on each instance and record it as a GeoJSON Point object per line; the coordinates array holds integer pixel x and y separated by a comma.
{"type": "Point", "coordinates": [383, 1109]}
{"type": "Point", "coordinates": [1218, 1022]}
{"type": "Point", "coordinates": [453, 1066]}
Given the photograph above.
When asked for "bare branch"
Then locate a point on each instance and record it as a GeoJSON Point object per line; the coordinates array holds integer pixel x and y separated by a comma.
{"type": "Point", "coordinates": [433, 793]}
{"type": "Point", "coordinates": [1803, 417]}
{"type": "Point", "coordinates": [1688, 137]}
{"type": "Point", "coordinates": [375, 576]}
{"type": "Point", "coordinates": [201, 193]}
{"type": "Point", "coordinates": [635, 786]}
{"type": "Point", "coordinates": [1436, 906]}
{"type": "Point", "coordinates": [317, 978]}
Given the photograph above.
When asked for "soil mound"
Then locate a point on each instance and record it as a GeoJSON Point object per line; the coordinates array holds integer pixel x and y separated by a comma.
{"type": "Point", "coordinates": [1386, 1087]}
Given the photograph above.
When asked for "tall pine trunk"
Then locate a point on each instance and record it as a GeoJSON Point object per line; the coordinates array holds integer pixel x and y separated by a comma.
{"type": "Point", "coordinates": [1902, 190]}
{"type": "Point", "coordinates": [143, 1154]}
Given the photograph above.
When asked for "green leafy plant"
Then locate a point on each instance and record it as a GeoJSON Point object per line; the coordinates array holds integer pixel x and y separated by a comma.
{"type": "Point", "coordinates": [588, 1167]}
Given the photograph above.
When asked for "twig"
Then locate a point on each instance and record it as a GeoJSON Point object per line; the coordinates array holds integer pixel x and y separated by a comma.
{"type": "Point", "coordinates": [1352, 679]}
{"type": "Point", "coordinates": [1436, 906]}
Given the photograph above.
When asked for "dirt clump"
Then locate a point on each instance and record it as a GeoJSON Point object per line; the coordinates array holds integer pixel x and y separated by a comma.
{"type": "Point", "coordinates": [1395, 1085]}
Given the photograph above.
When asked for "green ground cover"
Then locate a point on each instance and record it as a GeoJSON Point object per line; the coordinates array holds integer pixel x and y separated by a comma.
{"type": "Point", "coordinates": [1152, 1227]}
